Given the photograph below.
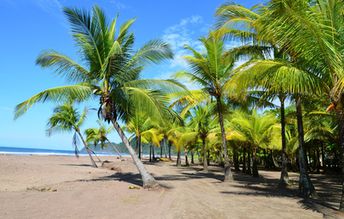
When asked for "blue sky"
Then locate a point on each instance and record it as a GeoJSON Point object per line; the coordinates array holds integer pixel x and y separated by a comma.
{"type": "Point", "coordinates": [31, 26]}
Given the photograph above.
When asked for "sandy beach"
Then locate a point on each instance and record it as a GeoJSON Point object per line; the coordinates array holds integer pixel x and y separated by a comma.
{"type": "Point", "coordinates": [66, 187]}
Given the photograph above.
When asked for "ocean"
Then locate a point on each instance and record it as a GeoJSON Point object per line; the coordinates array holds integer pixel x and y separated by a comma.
{"type": "Point", "coordinates": [40, 151]}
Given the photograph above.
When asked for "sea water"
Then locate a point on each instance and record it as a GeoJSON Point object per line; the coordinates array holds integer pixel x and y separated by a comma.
{"type": "Point", "coordinates": [40, 151]}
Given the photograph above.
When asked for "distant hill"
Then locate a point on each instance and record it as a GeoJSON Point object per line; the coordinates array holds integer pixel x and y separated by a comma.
{"type": "Point", "coordinates": [122, 149]}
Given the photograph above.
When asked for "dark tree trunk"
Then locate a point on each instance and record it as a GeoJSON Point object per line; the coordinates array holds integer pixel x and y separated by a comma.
{"type": "Point", "coordinates": [186, 157]}
{"type": "Point", "coordinates": [249, 160]}
{"type": "Point", "coordinates": [165, 147]}
{"type": "Point", "coordinates": [169, 150]}
{"type": "Point", "coordinates": [236, 159]}
{"type": "Point", "coordinates": [244, 160]}
{"type": "Point", "coordinates": [204, 150]}
{"type": "Point", "coordinates": [318, 160]}
{"type": "Point", "coordinates": [161, 150]}
{"type": "Point", "coordinates": [87, 148]}
{"type": "Point", "coordinates": [192, 157]}
{"type": "Point", "coordinates": [208, 157]}
{"type": "Point", "coordinates": [138, 139]}
{"type": "Point", "coordinates": [227, 167]}
{"type": "Point", "coordinates": [150, 153]}
{"type": "Point", "coordinates": [323, 156]}
{"type": "Point", "coordinates": [284, 179]}
{"type": "Point", "coordinates": [147, 178]}
{"type": "Point", "coordinates": [306, 187]}
{"type": "Point", "coordinates": [179, 162]}
{"type": "Point", "coordinates": [153, 152]}
{"type": "Point", "coordinates": [341, 144]}
{"type": "Point", "coordinates": [254, 162]}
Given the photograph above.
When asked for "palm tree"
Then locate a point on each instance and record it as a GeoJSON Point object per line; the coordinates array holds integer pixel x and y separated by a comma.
{"type": "Point", "coordinates": [281, 75]}
{"type": "Point", "coordinates": [310, 32]}
{"type": "Point", "coordinates": [99, 136]}
{"type": "Point", "coordinates": [212, 71]}
{"type": "Point", "coordinates": [201, 121]}
{"type": "Point", "coordinates": [257, 130]}
{"type": "Point", "coordinates": [144, 130]}
{"type": "Point", "coordinates": [67, 119]}
{"type": "Point", "coordinates": [111, 73]}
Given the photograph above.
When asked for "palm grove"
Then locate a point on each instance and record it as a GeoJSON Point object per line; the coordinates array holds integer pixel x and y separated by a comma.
{"type": "Point", "coordinates": [275, 101]}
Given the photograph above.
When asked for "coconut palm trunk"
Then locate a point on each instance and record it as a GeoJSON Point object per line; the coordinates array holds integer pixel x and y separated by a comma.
{"type": "Point", "coordinates": [284, 179]}
{"type": "Point", "coordinates": [341, 144]}
{"type": "Point", "coordinates": [249, 160]}
{"type": "Point", "coordinates": [236, 159]}
{"type": "Point", "coordinates": [254, 162]}
{"type": "Point", "coordinates": [139, 145]}
{"type": "Point", "coordinates": [115, 149]}
{"type": "Point", "coordinates": [169, 150]}
{"type": "Point", "coordinates": [87, 148]}
{"type": "Point", "coordinates": [186, 157]}
{"type": "Point", "coordinates": [306, 187]}
{"type": "Point", "coordinates": [179, 161]}
{"type": "Point", "coordinates": [204, 150]}
{"type": "Point", "coordinates": [227, 169]}
{"type": "Point", "coordinates": [147, 179]}
{"type": "Point", "coordinates": [244, 160]}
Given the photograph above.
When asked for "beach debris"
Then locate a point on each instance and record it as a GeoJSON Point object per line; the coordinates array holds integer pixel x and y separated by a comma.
{"type": "Point", "coordinates": [133, 187]}
{"type": "Point", "coordinates": [111, 166]}
{"type": "Point", "coordinates": [41, 189]}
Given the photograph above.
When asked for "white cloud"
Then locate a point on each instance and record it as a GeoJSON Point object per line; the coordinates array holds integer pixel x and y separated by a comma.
{"type": "Point", "coordinates": [119, 5]}
{"type": "Point", "coordinates": [49, 6]}
{"type": "Point", "coordinates": [182, 34]}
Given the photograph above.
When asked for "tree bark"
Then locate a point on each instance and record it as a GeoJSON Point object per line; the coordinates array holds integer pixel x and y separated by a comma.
{"type": "Point", "coordinates": [138, 140]}
{"type": "Point", "coordinates": [249, 160]}
{"type": "Point", "coordinates": [254, 162]}
{"type": "Point", "coordinates": [161, 150]}
{"type": "Point", "coordinates": [284, 179]}
{"type": "Point", "coordinates": [341, 145]}
{"type": "Point", "coordinates": [227, 167]}
{"type": "Point", "coordinates": [165, 147]}
{"type": "Point", "coordinates": [192, 157]}
{"type": "Point", "coordinates": [179, 162]}
{"type": "Point", "coordinates": [87, 148]}
{"type": "Point", "coordinates": [323, 156]}
{"type": "Point", "coordinates": [318, 160]}
{"type": "Point", "coordinates": [147, 179]}
{"type": "Point", "coordinates": [204, 150]}
{"type": "Point", "coordinates": [169, 150]}
{"type": "Point", "coordinates": [150, 153]}
{"type": "Point", "coordinates": [115, 148]}
{"type": "Point", "coordinates": [153, 152]}
{"type": "Point", "coordinates": [186, 157]}
{"type": "Point", "coordinates": [244, 160]}
{"type": "Point", "coordinates": [306, 187]}
{"type": "Point", "coordinates": [236, 159]}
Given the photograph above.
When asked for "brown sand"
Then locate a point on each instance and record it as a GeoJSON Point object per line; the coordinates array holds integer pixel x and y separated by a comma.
{"type": "Point", "coordinates": [66, 187]}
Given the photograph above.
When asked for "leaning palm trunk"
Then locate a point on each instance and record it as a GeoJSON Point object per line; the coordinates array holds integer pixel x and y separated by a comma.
{"type": "Point", "coordinates": [115, 149]}
{"type": "Point", "coordinates": [227, 170]}
{"type": "Point", "coordinates": [306, 187]}
{"type": "Point", "coordinates": [87, 148]}
{"type": "Point", "coordinates": [204, 150]}
{"type": "Point", "coordinates": [284, 180]}
{"type": "Point", "coordinates": [147, 179]}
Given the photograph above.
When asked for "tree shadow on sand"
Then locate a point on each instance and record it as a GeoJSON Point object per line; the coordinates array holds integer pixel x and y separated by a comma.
{"type": "Point", "coordinates": [327, 186]}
